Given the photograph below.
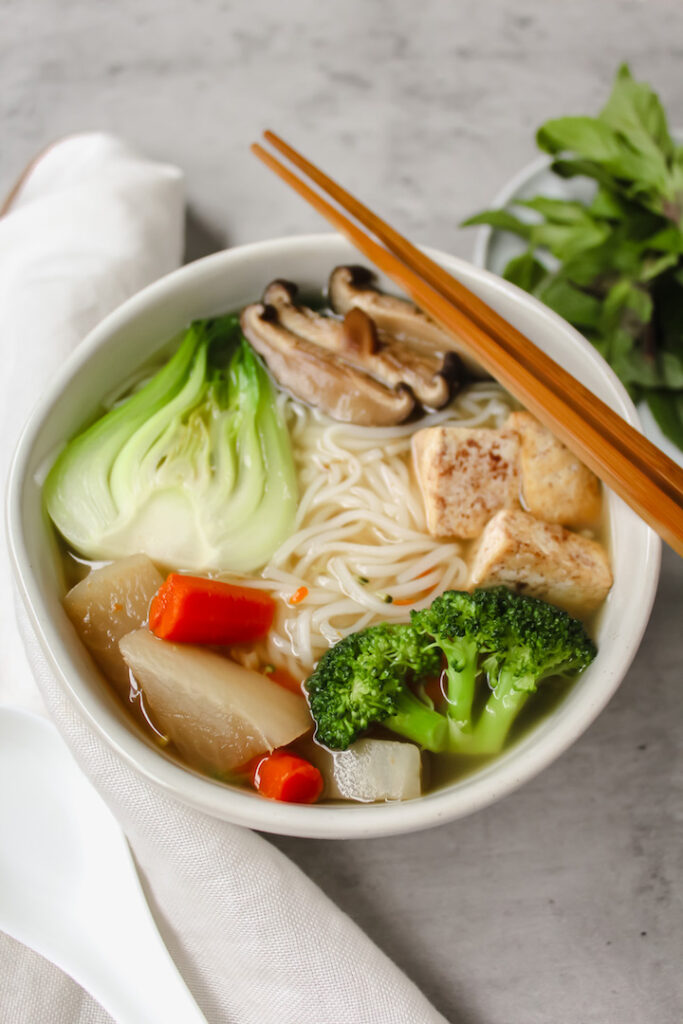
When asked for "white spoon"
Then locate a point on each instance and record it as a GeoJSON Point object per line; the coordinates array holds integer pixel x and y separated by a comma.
{"type": "Point", "coordinates": [68, 885]}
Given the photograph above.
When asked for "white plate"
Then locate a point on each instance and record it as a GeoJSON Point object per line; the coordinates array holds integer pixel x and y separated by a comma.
{"type": "Point", "coordinates": [493, 248]}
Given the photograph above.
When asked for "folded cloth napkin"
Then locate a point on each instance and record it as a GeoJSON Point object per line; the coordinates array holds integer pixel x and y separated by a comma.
{"type": "Point", "coordinates": [256, 941]}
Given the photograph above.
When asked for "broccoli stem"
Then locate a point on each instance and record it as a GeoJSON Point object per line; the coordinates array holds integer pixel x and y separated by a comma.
{"type": "Point", "coordinates": [461, 676]}
{"type": "Point", "coordinates": [418, 723]}
{"type": "Point", "coordinates": [500, 711]}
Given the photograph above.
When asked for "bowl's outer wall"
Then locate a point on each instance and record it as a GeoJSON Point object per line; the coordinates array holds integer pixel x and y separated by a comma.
{"type": "Point", "coordinates": [129, 337]}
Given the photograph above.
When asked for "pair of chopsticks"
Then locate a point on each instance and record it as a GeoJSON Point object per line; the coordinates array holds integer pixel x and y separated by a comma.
{"type": "Point", "coordinates": [638, 471]}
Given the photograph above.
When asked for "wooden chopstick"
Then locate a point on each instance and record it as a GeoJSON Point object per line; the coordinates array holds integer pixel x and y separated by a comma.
{"type": "Point", "coordinates": [634, 468]}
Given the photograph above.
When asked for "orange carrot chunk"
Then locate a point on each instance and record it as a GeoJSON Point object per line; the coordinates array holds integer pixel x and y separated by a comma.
{"type": "Point", "coordinates": [194, 610]}
{"type": "Point", "coordinates": [287, 777]}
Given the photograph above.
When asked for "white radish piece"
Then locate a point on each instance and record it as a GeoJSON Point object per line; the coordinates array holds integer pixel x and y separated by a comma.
{"type": "Point", "coordinates": [371, 771]}
{"type": "Point", "coordinates": [218, 714]}
{"type": "Point", "coordinates": [109, 603]}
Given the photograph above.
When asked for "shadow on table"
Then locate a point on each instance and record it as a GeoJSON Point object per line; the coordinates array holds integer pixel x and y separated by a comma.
{"type": "Point", "coordinates": [201, 237]}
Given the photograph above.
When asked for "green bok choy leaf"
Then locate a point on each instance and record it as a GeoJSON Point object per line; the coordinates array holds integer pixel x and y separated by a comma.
{"type": "Point", "coordinates": [194, 469]}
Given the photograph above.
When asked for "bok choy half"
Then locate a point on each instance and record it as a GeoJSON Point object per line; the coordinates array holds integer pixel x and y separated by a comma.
{"type": "Point", "coordinates": [194, 469]}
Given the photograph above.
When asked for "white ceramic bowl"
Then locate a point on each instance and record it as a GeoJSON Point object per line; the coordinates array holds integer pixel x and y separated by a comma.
{"type": "Point", "coordinates": [132, 334]}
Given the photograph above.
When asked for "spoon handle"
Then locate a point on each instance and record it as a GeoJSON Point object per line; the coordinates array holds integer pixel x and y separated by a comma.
{"type": "Point", "coordinates": [142, 986]}
{"type": "Point", "coordinates": [68, 885]}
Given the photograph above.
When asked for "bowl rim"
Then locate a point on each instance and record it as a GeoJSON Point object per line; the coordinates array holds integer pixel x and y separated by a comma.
{"type": "Point", "coordinates": [481, 788]}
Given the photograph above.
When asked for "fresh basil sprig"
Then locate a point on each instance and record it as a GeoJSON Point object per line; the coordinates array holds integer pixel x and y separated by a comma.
{"type": "Point", "coordinates": [617, 272]}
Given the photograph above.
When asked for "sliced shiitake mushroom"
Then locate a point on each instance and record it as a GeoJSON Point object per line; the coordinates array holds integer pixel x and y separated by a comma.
{"type": "Point", "coordinates": [429, 374]}
{"type": "Point", "coordinates": [317, 376]}
{"type": "Point", "coordinates": [353, 287]}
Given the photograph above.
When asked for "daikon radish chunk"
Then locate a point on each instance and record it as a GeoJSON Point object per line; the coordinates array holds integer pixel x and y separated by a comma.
{"type": "Point", "coordinates": [109, 603]}
{"type": "Point", "coordinates": [218, 714]}
{"type": "Point", "coordinates": [371, 770]}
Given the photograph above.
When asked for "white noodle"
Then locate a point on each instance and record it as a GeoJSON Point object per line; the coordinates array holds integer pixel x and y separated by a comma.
{"type": "Point", "coordinates": [360, 536]}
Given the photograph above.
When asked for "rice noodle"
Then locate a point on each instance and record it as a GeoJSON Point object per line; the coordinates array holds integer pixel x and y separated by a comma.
{"type": "Point", "coordinates": [360, 536]}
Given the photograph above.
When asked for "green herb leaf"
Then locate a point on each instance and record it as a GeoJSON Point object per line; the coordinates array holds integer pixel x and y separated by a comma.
{"type": "Point", "coordinates": [669, 239]}
{"type": "Point", "coordinates": [567, 240]}
{"type": "Point", "coordinates": [525, 271]}
{"type": "Point", "coordinates": [667, 409]}
{"type": "Point", "coordinates": [609, 206]}
{"type": "Point", "coordinates": [501, 219]}
{"type": "Point", "coordinates": [585, 169]}
{"type": "Point", "coordinates": [634, 173]}
{"type": "Point", "coordinates": [635, 110]}
{"type": "Point", "coordinates": [599, 267]}
{"type": "Point", "coordinates": [654, 267]}
{"type": "Point", "coordinates": [558, 211]}
{"type": "Point", "coordinates": [623, 298]}
{"type": "Point", "coordinates": [574, 305]}
{"type": "Point", "coordinates": [586, 136]}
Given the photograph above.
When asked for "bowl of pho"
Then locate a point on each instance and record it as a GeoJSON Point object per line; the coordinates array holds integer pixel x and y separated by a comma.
{"type": "Point", "coordinates": [299, 561]}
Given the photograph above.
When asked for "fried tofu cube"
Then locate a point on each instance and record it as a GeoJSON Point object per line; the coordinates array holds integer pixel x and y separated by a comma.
{"type": "Point", "coordinates": [541, 559]}
{"type": "Point", "coordinates": [465, 475]}
{"type": "Point", "coordinates": [555, 485]}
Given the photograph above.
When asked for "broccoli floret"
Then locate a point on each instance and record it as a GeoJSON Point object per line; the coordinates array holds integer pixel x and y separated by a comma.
{"type": "Point", "coordinates": [512, 640]}
{"type": "Point", "coordinates": [463, 626]}
{"type": "Point", "coordinates": [363, 680]}
{"type": "Point", "coordinates": [537, 641]}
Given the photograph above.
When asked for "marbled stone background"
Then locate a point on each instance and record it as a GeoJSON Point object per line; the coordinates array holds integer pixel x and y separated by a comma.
{"type": "Point", "coordinates": [562, 904]}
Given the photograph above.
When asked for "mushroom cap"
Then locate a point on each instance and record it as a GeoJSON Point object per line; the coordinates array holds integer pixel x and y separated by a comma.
{"type": "Point", "coordinates": [317, 376]}
{"type": "Point", "coordinates": [393, 362]}
{"type": "Point", "coordinates": [354, 287]}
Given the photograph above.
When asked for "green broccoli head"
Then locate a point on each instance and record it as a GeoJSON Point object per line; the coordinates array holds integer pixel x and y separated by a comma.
{"type": "Point", "coordinates": [515, 641]}
{"type": "Point", "coordinates": [460, 615]}
{"type": "Point", "coordinates": [538, 640]}
{"type": "Point", "coordinates": [464, 626]}
{"type": "Point", "coordinates": [363, 679]}
{"type": "Point", "coordinates": [535, 640]}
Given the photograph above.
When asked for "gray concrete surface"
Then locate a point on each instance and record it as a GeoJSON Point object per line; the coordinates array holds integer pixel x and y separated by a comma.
{"type": "Point", "coordinates": [562, 904]}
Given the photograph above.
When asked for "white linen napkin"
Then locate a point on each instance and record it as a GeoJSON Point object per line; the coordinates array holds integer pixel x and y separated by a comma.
{"type": "Point", "coordinates": [256, 941]}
